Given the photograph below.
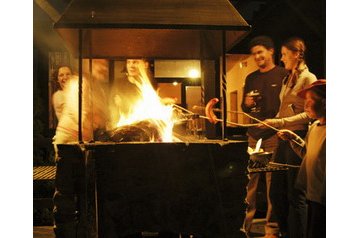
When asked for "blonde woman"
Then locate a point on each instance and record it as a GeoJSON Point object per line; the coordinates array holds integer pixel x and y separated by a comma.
{"type": "Point", "coordinates": [288, 202]}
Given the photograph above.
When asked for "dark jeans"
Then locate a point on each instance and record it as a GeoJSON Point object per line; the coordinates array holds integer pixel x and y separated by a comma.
{"type": "Point", "coordinates": [316, 225]}
{"type": "Point", "coordinates": [289, 203]}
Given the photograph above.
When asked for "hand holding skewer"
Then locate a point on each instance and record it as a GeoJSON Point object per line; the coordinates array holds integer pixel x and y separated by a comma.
{"type": "Point", "coordinates": [290, 135]}
{"type": "Point", "coordinates": [209, 111]}
{"type": "Point", "coordinates": [287, 135]}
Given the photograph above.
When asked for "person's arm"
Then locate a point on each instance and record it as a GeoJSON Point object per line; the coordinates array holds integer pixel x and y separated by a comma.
{"type": "Point", "coordinates": [290, 136]}
{"type": "Point", "coordinates": [301, 118]}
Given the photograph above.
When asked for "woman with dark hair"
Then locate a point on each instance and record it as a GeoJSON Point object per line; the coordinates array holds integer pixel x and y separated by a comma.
{"type": "Point", "coordinates": [67, 211]}
{"type": "Point", "coordinates": [288, 202]}
{"type": "Point", "coordinates": [94, 107]}
{"type": "Point", "coordinates": [62, 75]}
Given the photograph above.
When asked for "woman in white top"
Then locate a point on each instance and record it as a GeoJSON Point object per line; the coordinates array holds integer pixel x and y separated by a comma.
{"type": "Point", "coordinates": [63, 74]}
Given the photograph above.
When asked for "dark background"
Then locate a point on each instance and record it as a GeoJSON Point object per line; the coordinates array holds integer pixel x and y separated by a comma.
{"type": "Point", "coordinates": [281, 19]}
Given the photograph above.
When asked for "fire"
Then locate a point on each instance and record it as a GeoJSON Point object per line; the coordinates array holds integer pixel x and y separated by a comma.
{"type": "Point", "coordinates": [258, 145]}
{"type": "Point", "coordinates": [149, 106]}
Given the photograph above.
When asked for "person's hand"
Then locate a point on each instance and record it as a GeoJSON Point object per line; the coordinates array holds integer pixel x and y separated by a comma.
{"type": "Point", "coordinates": [287, 135]}
{"type": "Point", "coordinates": [249, 101]}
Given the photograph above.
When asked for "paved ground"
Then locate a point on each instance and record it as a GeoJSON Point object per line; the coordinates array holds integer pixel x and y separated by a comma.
{"type": "Point", "coordinates": [47, 231]}
{"type": "Point", "coordinates": [43, 232]}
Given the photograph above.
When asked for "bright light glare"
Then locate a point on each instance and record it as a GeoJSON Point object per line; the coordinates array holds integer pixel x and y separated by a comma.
{"type": "Point", "coordinates": [194, 73]}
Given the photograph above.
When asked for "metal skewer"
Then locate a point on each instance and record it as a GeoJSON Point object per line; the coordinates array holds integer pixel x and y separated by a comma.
{"type": "Point", "coordinates": [256, 119]}
{"type": "Point", "coordinates": [269, 126]}
{"type": "Point", "coordinates": [237, 112]}
{"type": "Point", "coordinates": [286, 165]}
{"type": "Point", "coordinates": [220, 120]}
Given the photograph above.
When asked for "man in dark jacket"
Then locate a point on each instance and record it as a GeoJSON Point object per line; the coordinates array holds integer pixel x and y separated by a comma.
{"type": "Point", "coordinates": [261, 100]}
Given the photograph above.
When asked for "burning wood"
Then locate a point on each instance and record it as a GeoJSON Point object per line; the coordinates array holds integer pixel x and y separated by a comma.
{"type": "Point", "coordinates": [146, 130]}
{"type": "Point", "coordinates": [138, 113]}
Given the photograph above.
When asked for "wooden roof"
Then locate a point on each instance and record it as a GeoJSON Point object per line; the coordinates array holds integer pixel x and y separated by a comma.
{"type": "Point", "coordinates": [151, 28]}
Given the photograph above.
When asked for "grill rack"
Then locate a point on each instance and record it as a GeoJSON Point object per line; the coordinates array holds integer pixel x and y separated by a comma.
{"type": "Point", "coordinates": [268, 168]}
{"type": "Point", "coordinates": [44, 172]}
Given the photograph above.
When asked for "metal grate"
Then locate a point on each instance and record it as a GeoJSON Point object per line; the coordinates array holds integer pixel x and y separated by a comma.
{"type": "Point", "coordinates": [268, 168]}
{"type": "Point", "coordinates": [44, 172]}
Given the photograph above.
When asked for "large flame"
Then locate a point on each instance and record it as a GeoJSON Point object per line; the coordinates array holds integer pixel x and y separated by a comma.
{"type": "Point", "coordinates": [149, 106]}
